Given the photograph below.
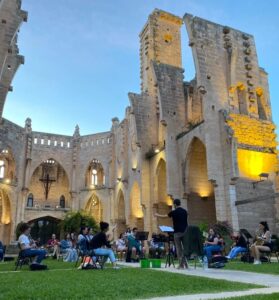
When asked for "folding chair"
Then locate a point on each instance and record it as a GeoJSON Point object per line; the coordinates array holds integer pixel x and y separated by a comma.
{"type": "Point", "coordinates": [22, 260]}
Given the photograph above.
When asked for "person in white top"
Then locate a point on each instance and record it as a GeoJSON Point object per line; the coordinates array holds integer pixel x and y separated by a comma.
{"type": "Point", "coordinates": [121, 246]}
{"type": "Point", "coordinates": [262, 242]}
{"type": "Point", "coordinates": [28, 246]}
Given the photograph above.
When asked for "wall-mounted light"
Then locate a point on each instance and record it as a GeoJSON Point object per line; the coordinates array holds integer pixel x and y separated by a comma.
{"type": "Point", "coordinates": [156, 150]}
{"type": "Point", "coordinates": [263, 177]}
{"type": "Point", "coordinates": [118, 179]}
{"type": "Point", "coordinates": [134, 169]}
{"type": "Point", "coordinates": [204, 198]}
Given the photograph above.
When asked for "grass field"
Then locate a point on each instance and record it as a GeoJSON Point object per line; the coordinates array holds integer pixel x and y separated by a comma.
{"type": "Point", "coordinates": [63, 281]}
{"type": "Point", "coordinates": [266, 268]}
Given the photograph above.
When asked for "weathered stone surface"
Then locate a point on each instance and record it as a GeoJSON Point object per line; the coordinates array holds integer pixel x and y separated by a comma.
{"type": "Point", "coordinates": [177, 140]}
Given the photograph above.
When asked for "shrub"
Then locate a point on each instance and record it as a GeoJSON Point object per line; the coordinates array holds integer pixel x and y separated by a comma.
{"type": "Point", "coordinates": [76, 219]}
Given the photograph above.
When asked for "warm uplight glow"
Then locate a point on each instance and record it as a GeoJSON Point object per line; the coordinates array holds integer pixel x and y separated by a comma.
{"type": "Point", "coordinates": [139, 213]}
{"type": "Point", "coordinates": [253, 163]}
{"type": "Point", "coordinates": [205, 192]}
{"type": "Point", "coordinates": [169, 201]}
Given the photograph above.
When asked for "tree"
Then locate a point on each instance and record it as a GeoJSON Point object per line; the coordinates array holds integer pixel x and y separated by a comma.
{"type": "Point", "coordinates": [74, 220]}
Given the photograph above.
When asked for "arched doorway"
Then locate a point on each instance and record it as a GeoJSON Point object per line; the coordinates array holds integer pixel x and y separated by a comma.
{"type": "Point", "coordinates": [48, 184]}
{"type": "Point", "coordinates": [5, 217]}
{"type": "Point", "coordinates": [136, 213]}
{"type": "Point", "coordinates": [93, 207]}
{"type": "Point", "coordinates": [121, 216]}
{"type": "Point", "coordinates": [163, 202]}
{"type": "Point", "coordinates": [42, 228]}
{"type": "Point", "coordinates": [200, 200]}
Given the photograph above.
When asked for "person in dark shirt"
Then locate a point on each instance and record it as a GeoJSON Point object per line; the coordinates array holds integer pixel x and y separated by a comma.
{"type": "Point", "coordinates": [240, 246]}
{"type": "Point", "coordinates": [180, 223]}
{"type": "Point", "coordinates": [101, 245]}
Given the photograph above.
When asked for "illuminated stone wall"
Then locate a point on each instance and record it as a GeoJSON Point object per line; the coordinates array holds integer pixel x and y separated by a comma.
{"type": "Point", "coordinates": [253, 132]}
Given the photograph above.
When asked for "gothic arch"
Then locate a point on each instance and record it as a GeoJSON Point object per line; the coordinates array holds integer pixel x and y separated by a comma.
{"type": "Point", "coordinates": [42, 160]}
{"type": "Point", "coordinates": [163, 201]}
{"type": "Point", "coordinates": [136, 212]}
{"type": "Point", "coordinates": [94, 208]}
{"type": "Point", "coordinates": [95, 174]}
{"type": "Point", "coordinates": [8, 165]}
{"type": "Point", "coordinates": [5, 216]}
{"type": "Point", "coordinates": [121, 214]}
{"type": "Point", "coordinates": [51, 173]}
{"type": "Point", "coordinates": [121, 206]}
{"type": "Point", "coordinates": [199, 191]}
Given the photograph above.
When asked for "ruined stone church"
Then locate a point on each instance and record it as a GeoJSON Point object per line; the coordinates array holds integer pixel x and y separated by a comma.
{"type": "Point", "coordinates": [210, 142]}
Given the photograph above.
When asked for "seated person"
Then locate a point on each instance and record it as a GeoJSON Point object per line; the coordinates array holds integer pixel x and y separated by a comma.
{"type": "Point", "coordinates": [156, 248]}
{"type": "Point", "coordinates": [262, 243]}
{"type": "Point", "coordinates": [74, 239]}
{"type": "Point", "coordinates": [53, 246]}
{"type": "Point", "coordinates": [28, 247]}
{"type": "Point", "coordinates": [211, 244]}
{"type": "Point", "coordinates": [1, 251]}
{"type": "Point", "coordinates": [101, 245]}
{"type": "Point", "coordinates": [240, 245]}
{"type": "Point", "coordinates": [90, 235]}
{"type": "Point", "coordinates": [135, 246]}
{"type": "Point", "coordinates": [82, 242]}
{"type": "Point", "coordinates": [68, 249]}
{"type": "Point", "coordinates": [121, 247]}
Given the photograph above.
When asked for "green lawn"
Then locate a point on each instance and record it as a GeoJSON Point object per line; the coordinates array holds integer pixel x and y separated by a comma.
{"type": "Point", "coordinates": [62, 281]}
{"type": "Point", "coordinates": [266, 268]}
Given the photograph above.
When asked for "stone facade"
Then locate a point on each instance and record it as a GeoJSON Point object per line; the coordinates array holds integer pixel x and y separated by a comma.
{"type": "Point", "coordinates": [205, 141]}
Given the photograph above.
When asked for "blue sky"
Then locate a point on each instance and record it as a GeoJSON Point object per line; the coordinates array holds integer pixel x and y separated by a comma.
{"type": "Point", "coordinates": [82, 56]}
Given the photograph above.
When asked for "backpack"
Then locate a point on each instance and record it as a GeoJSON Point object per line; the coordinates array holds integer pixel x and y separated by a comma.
{"type": "Point", "coordinates": [217, 265]}
{"type": "Point", "coordinates": [247, 258]}
{"type": "Point", "coordinates": [37, 267]}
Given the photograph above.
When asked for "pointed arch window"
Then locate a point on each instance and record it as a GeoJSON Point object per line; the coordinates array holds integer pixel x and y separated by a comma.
{"type": "Point", "coordinates": [2, 169]}
{"type": "Point", "coordinates": [94, 177]}
{"type": "Point", "coordinates": [62, 201]}
{"type": "Point", "coordinates": [30, 200]}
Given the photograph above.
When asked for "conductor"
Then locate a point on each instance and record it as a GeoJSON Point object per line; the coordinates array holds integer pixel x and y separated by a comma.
{"type": "Point", "coordinates": [179, 218]}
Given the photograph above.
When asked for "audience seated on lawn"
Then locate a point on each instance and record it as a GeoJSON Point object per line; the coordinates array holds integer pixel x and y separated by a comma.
{"type": "Point", "coordinates": [53, 246]}
{"type": "Point", "coordinates": [121, 247]}
{"type": "Point", "coordinates": [262, 242]}
{"type": "Point", "coordinates": [1, 251]}
{"type": "Point", "coordinates": [212, 244]}
{"type": "Point", "coordinates": [101, 245]}
{"type": "Point", "coordinates": [240, 246]}
{"type": "Point", "coordinates": [28, 246]}
{"type": "Point", "coordinates": [68, 250]}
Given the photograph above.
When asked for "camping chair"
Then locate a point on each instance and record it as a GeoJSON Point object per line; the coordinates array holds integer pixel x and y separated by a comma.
{"type": "Point", "coordinates": [246, 255]}
{"type": "Point", "coordinates": [192, 243]}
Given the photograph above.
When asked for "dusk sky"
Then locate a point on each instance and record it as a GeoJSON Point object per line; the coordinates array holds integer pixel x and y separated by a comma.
{"type": "Point", "coordinates": [82, 56]}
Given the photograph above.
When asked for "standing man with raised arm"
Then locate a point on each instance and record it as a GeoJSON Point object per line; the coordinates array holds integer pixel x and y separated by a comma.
{"type": "Point", "coordinates": [179, 218]}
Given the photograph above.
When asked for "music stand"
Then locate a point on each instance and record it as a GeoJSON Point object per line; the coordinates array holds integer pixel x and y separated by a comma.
{"type": "Point", "coordinates": [142, 236]}
{"type": "Point", "coordinates": [169, 230]}
{"type": "Point", "coordinates": [247, 236]}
